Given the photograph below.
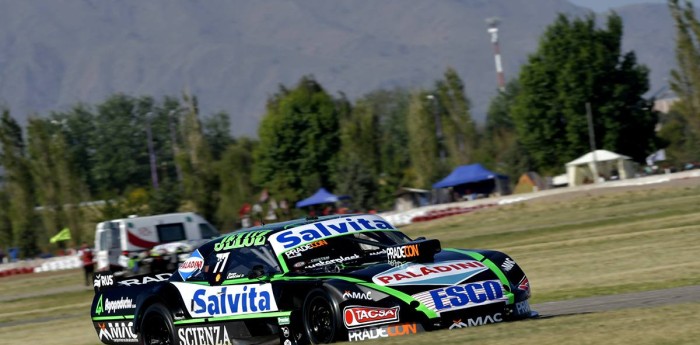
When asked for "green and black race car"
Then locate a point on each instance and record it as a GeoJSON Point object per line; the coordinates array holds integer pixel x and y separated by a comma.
{"type": "Point", "coordinates": [314, 280]}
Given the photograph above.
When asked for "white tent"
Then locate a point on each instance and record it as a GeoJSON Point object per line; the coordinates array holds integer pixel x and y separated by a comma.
{"type": "Point", "coordinates": [609, 165]}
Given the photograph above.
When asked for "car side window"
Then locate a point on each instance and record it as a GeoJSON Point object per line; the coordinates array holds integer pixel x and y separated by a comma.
{"type": "Point", "coordinates": [239, 263]}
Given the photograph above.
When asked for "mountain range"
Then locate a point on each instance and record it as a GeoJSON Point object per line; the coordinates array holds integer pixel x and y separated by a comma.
{"type": "Point", "coordinates": [234, 54]}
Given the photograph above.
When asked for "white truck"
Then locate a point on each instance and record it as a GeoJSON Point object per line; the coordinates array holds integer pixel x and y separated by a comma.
{"type": "Point", "coordinates": [118, 240]}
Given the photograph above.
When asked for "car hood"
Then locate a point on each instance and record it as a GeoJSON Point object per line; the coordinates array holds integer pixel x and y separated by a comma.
{"type": "Point", "coordinates": [448, 268]}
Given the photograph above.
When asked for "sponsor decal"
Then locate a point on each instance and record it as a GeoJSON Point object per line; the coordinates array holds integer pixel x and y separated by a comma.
{"type": "Point", "coordinates": [462, 296]}
{"type": "Point", "coordinates": [285, 332]}
{"type": "Point", "coordinates": [360, 316]}
{"type": "Point", "coordinates": [395, 254]}
{"type": "Point", "coordinates": [193, 264]}
{"type": "Point", "coordinates": [208, 301]}
{"type": "Point", "coordinates": [337, 260]}
{"type": "Point", "coordinates": [508, 264]}
{"type": "Point", "coordinates": [145, 280]}
{"type": "Point", "coordinates": [357, 295]}
{"type": "Point", "coordinates": [117, 332]}
{"type": "Point", "coordinates": [203, 335]}
{"type": "Point", "coordinates": [477, 321]}
{"type": "Point", "coordinates": [110, 306]}
{"type": "Point", "coordinates": [234, 275]}
{"type": "Point", "coordinates": [300, 235]}
{"type": "Point", "coordinates": [296, 252]}
{"type": "Point", "coordinates": [299, 264]}
{"type": "Point", "coordinates": [522, 308]}
{"type": "Point", "coordinates": [103, 280]}
{"type": "Point", "coordinates": [242, 239]}
{"type": "Point", "coordinates": [443, 273]}
{"type": "Point", "coordinates": [287, 342]}
{"type": "Point", "coordinates": [483, 320]}
{"type": "Point", "coordinates": [384, 331]}
{"type": "Point", "coordinates": [458, 324]}
{"type": "Point", "coordinates": [283, 320]}
{"type": "Point", "coordinates": [524, 284]}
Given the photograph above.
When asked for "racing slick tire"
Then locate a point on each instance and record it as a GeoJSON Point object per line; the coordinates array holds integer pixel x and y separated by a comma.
{"type": "Point", "coordinates": [157, 326]}
{"type": "Point", "coordinates": [321, 318]}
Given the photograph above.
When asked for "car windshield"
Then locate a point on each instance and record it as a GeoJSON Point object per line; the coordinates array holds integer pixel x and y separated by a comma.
{"type": "Point", "coordinates": [348, 250]}
{"type": "Point", "coordinates": [235, 263]}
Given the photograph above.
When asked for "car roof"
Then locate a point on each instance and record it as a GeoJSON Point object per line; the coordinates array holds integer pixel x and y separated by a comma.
{"type": "Point", "coordinates": [279, 226]}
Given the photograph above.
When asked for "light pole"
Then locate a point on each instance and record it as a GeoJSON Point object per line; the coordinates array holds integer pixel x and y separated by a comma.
{"type": "Point", "coordinates": [493, 31]}
{"type": "Point", "coordinates": [438, 126]}
{"type": "Point", "coordinates": [151, 153]}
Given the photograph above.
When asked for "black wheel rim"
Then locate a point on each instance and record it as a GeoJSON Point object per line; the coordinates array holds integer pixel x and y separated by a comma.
{"type": "Point", "coordinates": [156, 331]}
{"type": "Point", "coordinates": [321, 323]}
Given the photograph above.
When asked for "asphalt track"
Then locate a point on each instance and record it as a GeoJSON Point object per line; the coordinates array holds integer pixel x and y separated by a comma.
{"type": "Point", "coordinates": [654, 298]}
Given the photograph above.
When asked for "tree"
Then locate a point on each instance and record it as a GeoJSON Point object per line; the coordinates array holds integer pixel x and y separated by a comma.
{"type": "Point", "coordinates": [120, 157]}
{"type": "Point", "coordinates": [59, 188]}
{"type": "Point", "coordinates": [298, 141]}
{"type": "Point", "coordinates": [217, 132]}
{"type": "Point", "coordinates": [18, 185]}
{"type": "Point", "coordinates": [395, 163]}
{"type": "Point", "coordinates": [499, 148]}
{"type": "Point", "coordinates": [234, 171]}
{"type": "Point", "coordinates": [199, 179]}
{"type": "Point", "coordinates": [685, 82]}
{"type": "Point", "coordinates": [422, 143]}
{"type": "Point", "coordinates": [577, 63]}
{"type": "Point", "coordinates": [459, 131]}
{"type": "Point", "coordinates": [359, 156]}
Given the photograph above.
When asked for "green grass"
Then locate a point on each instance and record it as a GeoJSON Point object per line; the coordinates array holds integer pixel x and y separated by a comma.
{"type": "Point", "coordinates": [589, 244]}
{"type": "Point", "coordinates": [640, 326]}
{"type": "Point", "coordinates": [576, 245]}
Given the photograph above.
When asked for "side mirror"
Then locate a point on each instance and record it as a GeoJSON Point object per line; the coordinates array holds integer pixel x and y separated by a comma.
{"type": "Point", "coordinates": [257, 272]}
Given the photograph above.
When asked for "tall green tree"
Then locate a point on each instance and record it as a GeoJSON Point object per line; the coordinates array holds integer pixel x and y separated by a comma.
{"type": "Point", "coordinates": [576, 63]}
{"type": "Point", "coordinates": [120, 157]}
{"type": "Point", "coordinates": [217, 132]}
{"type": "Point", "coordinates": [459, 131]}
{"type": "Point", "coordinates": [426, 166]}
{"type": "Point", "coordinates": [77, 126]}
{"type": "Point", "coordinates": [684, 133]}
{"type": "Point", "coordinates": [359, 156]}
{"type": "Point", "coordinates": [234, 170]}
{"type": "Point", "coordinates": [199, 178]}
{"type": "Point", "coordinates": [298, 141]}
{"type": "Point", "coordinates": [59, 188]}
{"type": "Point", "coordinates": [392, 108]}
{"type": "Point", "coordinates": [499, 148]}
{"type": "Point", "coordinates": [18, 185]}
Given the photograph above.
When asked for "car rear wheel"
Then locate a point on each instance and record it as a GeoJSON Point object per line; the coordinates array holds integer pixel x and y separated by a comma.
{"type": "Point", "coordinates": [157, 326]}
{"type": "Point", "coordinates": [321, 323]}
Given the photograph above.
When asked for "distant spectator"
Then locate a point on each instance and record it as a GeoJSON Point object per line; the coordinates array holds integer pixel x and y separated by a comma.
{"type": "Point", "coordinates": [2, 256]}
{"type": "Point", "coordinates": [88, 262]}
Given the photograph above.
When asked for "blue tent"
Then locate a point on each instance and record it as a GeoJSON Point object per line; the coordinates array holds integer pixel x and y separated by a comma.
{"type": "Point", "coordinates": [322, 196]}
{"type": "Point", "coordinates": [471, 173]}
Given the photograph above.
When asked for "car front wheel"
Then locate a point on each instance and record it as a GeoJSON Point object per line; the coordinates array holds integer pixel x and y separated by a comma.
{"type": "Point", "coordinates": [321, 318]}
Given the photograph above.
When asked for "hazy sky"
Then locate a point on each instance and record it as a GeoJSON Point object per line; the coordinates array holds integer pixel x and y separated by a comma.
{"type": "Point", "coordinates": [604, 5]}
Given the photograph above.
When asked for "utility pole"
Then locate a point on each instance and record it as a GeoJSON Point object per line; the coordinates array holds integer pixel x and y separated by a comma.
{"type": "Point", "coordinates": [493, 30]}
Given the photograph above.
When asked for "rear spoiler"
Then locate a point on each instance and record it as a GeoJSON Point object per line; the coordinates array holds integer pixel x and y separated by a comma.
{"type": "Point", "coordinates": [106, 280]}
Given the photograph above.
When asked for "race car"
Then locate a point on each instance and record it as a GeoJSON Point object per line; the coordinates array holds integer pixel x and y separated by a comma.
{"type": "Point", "coordinates": [312, 280]}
